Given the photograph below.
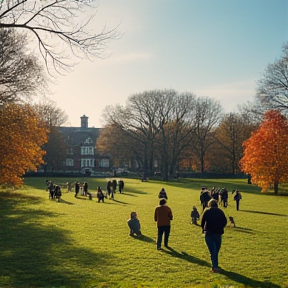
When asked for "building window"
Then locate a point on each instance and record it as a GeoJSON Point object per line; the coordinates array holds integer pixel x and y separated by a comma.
{"type": "Point", "coordinates": [69, 151]}
{"type": "Point", "coordinates": [87, 150]}
{"type": "Point", "coordinates": [87, 162]}
{"type": "Point", "coordinates": [104, 163]}
{"type": "Point", "coordinates": [69, 162]}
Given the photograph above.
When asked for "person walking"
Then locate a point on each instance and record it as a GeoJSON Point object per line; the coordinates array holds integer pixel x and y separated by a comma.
{"type": "Point", "coordinates": [237, 198]}
{"type": "Point", "coordinates": [204, 197]}
{"type": "Point", "coordinates": [121, 185]}
{"type": "Point", "coordinates": [77, 187]}
{"type": "Point", "coordinates": [163, 216]}
{"type": "Point", "coordinates": [213, 222]}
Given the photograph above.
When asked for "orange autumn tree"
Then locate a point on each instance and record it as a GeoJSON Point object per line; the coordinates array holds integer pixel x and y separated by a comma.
{"type": "Point", "coordinates": [266, 152]}
{"type": "Point", "coordinates": [21, 137]}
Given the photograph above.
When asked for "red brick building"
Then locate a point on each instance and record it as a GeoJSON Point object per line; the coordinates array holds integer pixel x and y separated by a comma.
{"type": "Point", "coordinates": [81, 154]}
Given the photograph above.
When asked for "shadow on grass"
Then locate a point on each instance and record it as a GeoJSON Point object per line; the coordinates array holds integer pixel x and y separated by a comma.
{"type": "Point", "coordinates": [30, 256]}
{"type": "Point", "coordinates": [66, 202]}
{"type": "Point", "coordinates": [265, 213]}
{"type": "Point", "coordinates": [135, 191]}
{"type": "Point", "coordinates": [241, 229]}
{"type": "Point", "coordinates": [145, 238]}
{"type": "Point", "coordinates": [120, 202]}
{"type": "Point", "coordinates": [128, 194]}
{"type": "Point", "coordinates": [184, 256]}
{"type": "Point", "coordinates": [248, 282]}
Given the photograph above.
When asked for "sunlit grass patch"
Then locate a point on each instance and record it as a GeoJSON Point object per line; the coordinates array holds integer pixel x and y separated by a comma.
{"type": "Point", "coordinates": [79, 242]}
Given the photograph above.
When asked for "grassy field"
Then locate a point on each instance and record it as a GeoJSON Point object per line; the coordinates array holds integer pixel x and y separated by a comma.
{"type": "Point", "coordinates": [81, 243]}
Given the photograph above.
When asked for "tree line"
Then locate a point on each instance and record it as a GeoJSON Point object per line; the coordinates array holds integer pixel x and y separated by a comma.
{"type": "Point", "coordinates": [159, 130]}
{"type": "Point", "coordinates": [167, 131]}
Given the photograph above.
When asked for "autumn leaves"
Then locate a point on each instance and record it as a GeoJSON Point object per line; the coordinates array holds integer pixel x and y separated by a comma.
{"type": "Point", "coordinates": [266, 152]}
{"type": "Point", "coordinates": [21, 138]}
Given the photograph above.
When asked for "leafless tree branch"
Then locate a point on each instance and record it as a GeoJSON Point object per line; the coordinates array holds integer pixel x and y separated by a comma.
{"type": "Point", "coordinates": [61, 28]}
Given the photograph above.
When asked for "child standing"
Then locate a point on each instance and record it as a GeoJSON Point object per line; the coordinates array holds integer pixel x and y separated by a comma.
{"type": "Point", "coordinates": [194, 215]}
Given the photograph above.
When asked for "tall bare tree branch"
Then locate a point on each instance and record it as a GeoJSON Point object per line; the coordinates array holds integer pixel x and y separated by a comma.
{"type": "Point", "coordinates": [61, 28]}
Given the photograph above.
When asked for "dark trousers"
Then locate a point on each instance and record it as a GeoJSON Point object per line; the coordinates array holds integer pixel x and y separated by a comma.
{"type": "Point", "coordinates": [213, 242]}
{"type": "Point", "coordinates": [237, 204]}
{"type": "Point", "coordinates": [163, 230]}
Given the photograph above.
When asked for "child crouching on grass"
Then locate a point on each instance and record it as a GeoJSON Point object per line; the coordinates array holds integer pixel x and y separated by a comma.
{"type": "Point", "coordinates": [134, 225]}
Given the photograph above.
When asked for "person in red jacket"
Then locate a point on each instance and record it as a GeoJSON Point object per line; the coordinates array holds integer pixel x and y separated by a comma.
{"type": "Point", "coordinates": [163, 216]}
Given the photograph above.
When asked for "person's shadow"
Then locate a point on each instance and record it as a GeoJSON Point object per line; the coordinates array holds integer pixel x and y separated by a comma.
{"type": "Point", "coordinates": [246, 281]}
{"type": "Point", "coordinates": [186, 256]}
{"type": "Point", "coordinates": [144, 238]}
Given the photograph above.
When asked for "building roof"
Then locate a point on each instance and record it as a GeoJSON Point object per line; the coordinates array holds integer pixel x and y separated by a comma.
{"type": "Point", "coordinates": [76, 136]}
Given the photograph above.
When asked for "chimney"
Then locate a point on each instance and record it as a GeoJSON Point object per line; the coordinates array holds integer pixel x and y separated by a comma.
{"type": "Point", "coordinates": [84, 121]}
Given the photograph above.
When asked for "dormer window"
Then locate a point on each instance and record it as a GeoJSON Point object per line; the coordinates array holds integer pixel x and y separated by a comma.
{"type": "Point", "coordinates": [88, 141]}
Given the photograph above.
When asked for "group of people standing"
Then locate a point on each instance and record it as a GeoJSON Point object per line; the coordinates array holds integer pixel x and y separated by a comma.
{"type": "Point", "coordinates": [83, 187]}
{"type": "Point", "coordinates": [54, 190]}
{"type": "Point", "coordinates": [220, 195]}
{"type": "Point", "coordinates": [111, 187]}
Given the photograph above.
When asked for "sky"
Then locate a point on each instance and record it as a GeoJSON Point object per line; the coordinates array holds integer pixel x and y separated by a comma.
{"type": "Point", "coordinates": [214, 48]}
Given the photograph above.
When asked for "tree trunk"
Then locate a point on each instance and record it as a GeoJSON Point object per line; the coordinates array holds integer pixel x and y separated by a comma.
{"type": "Point", "coordinates": [276, 187]}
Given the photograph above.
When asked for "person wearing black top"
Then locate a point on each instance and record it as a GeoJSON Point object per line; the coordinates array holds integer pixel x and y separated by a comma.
{"type": "Point", "coordinates": [213, 222]}
{"type": "Point", "coordinates": [163, 194]}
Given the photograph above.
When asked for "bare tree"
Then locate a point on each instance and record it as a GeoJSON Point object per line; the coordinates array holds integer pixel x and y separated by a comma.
{"type": "Point", "coordinates": [233, 130]}
{"type": "Point", "coordinates": [56, 147]}
{"type": "Point", "coordinates": [50, 114]}
{"type": "Point", "coordinates": [272, 91]}
{"type": "Point", "coordinates": [21, 75]}
{"type": "Point", "coordinates": [59, 27]}
{"type": "Point", "coordinates": [176, 126]}
{"type": "Point", "coordinates": [208, 115]}
{"type": "Point", "coordinates": [158, 123]}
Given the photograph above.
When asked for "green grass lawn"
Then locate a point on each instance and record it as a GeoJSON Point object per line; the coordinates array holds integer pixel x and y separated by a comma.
{"type": "Point", "coordinates": [82, 243]}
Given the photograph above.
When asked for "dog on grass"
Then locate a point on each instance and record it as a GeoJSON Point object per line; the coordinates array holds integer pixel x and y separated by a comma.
{"type": "Point", "coordinates": [231, 221]}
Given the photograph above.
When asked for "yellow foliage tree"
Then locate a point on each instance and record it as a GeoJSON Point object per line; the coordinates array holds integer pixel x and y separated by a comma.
{"type": "Point", "coordinates": [22, 135]}
{"type": "Point", "coordinates": [266, 152]}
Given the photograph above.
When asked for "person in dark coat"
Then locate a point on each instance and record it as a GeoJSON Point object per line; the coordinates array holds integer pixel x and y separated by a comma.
{"type": "Point", "coordinates": [213, 222]}
{"type": "Point", "coordinates": [163, 194]}
{"type": "Point", "coordinates": [237, 198]}
{"type": "Point", "coordinates": [224, 197]}
{"type": "Point", "coordinates": [77, 188]}
{"type": "Point", "coordinates": [114, 186]}
{"type": "Point", "coordinates": [194, 215]}
{"type": "Point", "coordinates": [134, 225]}
{"type": "Point", "coordinates": [121, 185]}
{"type": "Point", "coordinates": [85, 191]}
{"type": "Point", "coordinates": [108, 188]}
{"type": "Point", "coordinates": [100, 195]}
{"type": "Point", "coordinates": [204, 197]}
{"type": "Point", "coordinates": [58, 192]}
{"type": "Point", "coordinates": [51, 190]}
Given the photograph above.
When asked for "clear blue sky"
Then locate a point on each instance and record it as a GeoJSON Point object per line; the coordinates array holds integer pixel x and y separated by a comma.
{"type": "Point", "coordinates": [215, 48]}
